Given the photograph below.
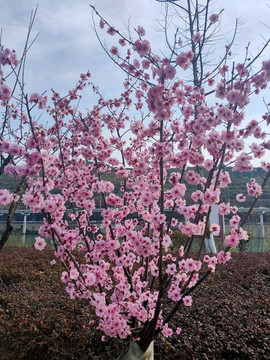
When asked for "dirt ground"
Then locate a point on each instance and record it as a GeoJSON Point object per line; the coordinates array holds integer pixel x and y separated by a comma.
{"type": "Point", "coordinates": [229, 318]}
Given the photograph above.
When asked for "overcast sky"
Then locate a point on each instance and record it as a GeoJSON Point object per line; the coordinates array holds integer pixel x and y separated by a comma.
{"type": "Point", "coordinates": [67, 45]}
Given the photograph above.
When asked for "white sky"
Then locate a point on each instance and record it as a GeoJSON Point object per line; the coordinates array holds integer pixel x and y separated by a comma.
{"type": "Point", "coordinates": [67, 46]}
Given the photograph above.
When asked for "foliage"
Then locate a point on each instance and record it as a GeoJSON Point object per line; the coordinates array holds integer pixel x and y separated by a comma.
{"type": "Point", "coordinates": [178, 240]}
{"type": "Point", "coordinates": [242, 246]}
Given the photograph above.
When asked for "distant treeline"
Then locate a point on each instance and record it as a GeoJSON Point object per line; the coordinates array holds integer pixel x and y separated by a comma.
{"type": "Point", "coordinates": [238, 185]}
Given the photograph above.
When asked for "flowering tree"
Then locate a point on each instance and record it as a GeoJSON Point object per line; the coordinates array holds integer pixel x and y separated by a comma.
{"type": "Point", "coordinates": [14, 127]}
{"type": "Point", "coordinates": [128, 268]}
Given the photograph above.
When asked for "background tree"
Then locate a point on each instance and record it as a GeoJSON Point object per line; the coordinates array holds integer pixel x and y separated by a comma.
{"type": "Point", "coordinates": [13, 127]}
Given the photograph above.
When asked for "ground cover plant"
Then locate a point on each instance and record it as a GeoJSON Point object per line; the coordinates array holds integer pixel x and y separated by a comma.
{"type": "Point", "coordinates": [228, 320]}
{"type": "Point", "coordinates": [135, 282]}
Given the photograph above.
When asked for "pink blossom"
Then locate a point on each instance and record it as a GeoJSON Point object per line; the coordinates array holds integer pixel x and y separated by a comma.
{"type": "Point", "coordinates": [211, 82]}
{"type": "Point", "coordinates": [15, 149]}
{"type": "Point", "coordinates": [192, 177]}
{"type": "Point", "coordinates": [35, 97]}
{"type": "Point", "coordinates": [231, 240]}
{"type": "Point", "coordinates": [114, 50]}
{"type": "Point", "coordinates": [169, 72]}
{"type": "Point", "coordinates": [196, 37]}
{"type": "Point", "coordinates": [224, 209]}
{"type": "Point", "coordinates": [5, 197]}
{"type": "Point", "coordinates": [101, 310]}
{"type": "Point", "coordinates": [181, 251]}
{"type": "Point", "coordinates": [187, 300]}
{"type": "Point", "coordinates": [235, 221]}
{"type": "Point", "coordinates": [211, 267]}
{"type": "Point", "coordinates": [197, 195]}
{"type": "Point", "coordinates": [234, 209]}
{"type": "Point", "coordinates": [111, 31]}
{"type": "Point", "coordinates": [8, 57]}
{"type": "Point", "coordinates": [243, 72]}
{"type": "Point", "coordinates": [254, 189]}
{"type": "Point", "coordinates": [42, 102]}
{"type": "Point", "coordinates": [122, 42]}
{"type": "Point", "coordinates": [257, 149]}
{"type": "Point", "coordinates": [5, 94]}
{"type": "Point", "coordinates": [145, 64]}
{"type": "Point", "coordinates": [65, 277]}
{"type": "Point", "coordinates": [233, 96]}
{"type": "Point", "coordinates": [189, 228]}
{"type": "Point", "coordinates": [240, 198]}
{"type": "Point", "coordinates": [214, 18]}
{"type": "Point", "coordinates": [166, 331]}
{"type": "Point", "coordinates": [183, 61]}
{"type": "Point", "coordinates": [214, 228]}
{"type": "Point", "coordinates": [192, 265]}
{"type": "Point", "coordinates": [208, 164]}
{"type": "Point", "coordinates": [157, 218]}
{"type": "Point", "coordinates": [174, 293]}
{"type": "Point", "coordinates": [265, 165]}
{"type": "Point", "coordinates": [40, 243]}
{"type": "Point", "coordinates": [143, 47]}
{"type": "Point", "coordinates": [178, 190]}
{"type": "Point", "coordinates": [171, 269]}
{"type": "Point", "coordinates": [74, 274]}
{"type": "Point", "coordinates": [166, 242]}
{"type": "Point", "coordinates": [101, 24]}
{"type": "Point", "coordinates": [141, 31]}
{"type": "Point", "coordinates": [213, 260]}
{"type": "Point", "coordinates": [266, 68]}
{"type": "Point", "coordinates": [221, 257]}
{"type": "Point", "coordinates": [154, 271]}
{"type": "Point", "coordinates": [211, 196]}
{"type": "Point", "coordinates": [220, 91]}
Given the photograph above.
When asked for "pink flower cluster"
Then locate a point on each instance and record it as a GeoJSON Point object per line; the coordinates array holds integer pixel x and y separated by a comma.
{"type": "Point", "coordinates": [40, 100]}
{"type": "Point", "coordinates": [8, 57]}
{"type": "Point", "coordinates": [254, 189]}
{"type": "Point", "coordinates": [5, 94]}
{"type": "Point", "coordinates": [184, 59]}
{"type": "Point", "coordinates": [236, 235]}
{"type": "Point", "coordinates": [157, 104]}
{"type": "Point", "coordinates": [137, 169]}
{"type": "Point", "coordinates": [214, 18]}
{"type": "Point", "coordinates": [6, 197]}
{"type": "Point", "coordinates": [142, 47]}
{"type": "Point", "coordinates": [40, 243]}
{"type": "Point", "coordinates": [221, 258]}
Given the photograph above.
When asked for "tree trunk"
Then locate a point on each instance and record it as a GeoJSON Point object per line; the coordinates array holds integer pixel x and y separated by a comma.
{"type": "Point", "coordinates": [133, 352]}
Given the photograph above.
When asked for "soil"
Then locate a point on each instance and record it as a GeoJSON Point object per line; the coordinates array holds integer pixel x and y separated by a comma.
{"type": "Point", "coordinates": [229, 318]}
